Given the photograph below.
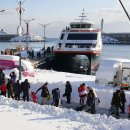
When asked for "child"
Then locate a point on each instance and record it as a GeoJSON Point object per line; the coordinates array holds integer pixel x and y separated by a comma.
{"type": "Point", "coordinates": [34, 97]}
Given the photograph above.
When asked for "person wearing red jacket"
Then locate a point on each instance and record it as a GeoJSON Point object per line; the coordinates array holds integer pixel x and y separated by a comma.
{"type": "Point", "coordinates": [82, 90]}
{"type": "Point", "coordinates": [3, 89]}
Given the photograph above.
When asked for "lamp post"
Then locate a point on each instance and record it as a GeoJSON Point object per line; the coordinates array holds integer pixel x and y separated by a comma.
{"type": "Point", "coordinates": [44, 37]}
{"type": "Point", "coordinates": [20, 33]}
{"type": "Point", "coordinates": [27, 27]}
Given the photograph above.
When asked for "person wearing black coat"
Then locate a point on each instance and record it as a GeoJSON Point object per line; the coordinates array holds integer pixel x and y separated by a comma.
{"type": "Point", "coordinates": [25, 88]}
{"type": "Point", "coordinates": [116, 101]}
{"type": "Point", "coordinates": [44, 94]}
{"type": "Point", "coordinates": [91, 101]}
{"type": "Point", "coordinates": [17, 90]}
{"type": "Point", "coordinates": [68, 91]}
{"type": "Point", "coordinates": [10, 88]}
{"type": "Point", "coordinates": [123, 100]}
{"type": "Point", "coordinates": [56, 96]}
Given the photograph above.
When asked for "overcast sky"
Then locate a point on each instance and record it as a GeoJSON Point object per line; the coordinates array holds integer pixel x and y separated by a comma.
{"type": "Point", "coordinates": [60, 12]}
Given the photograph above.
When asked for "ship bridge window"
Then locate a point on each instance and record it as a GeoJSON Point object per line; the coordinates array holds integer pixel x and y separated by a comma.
{"type": "Point", "coordinates": [81, 25]}
{"type": "Point", "coordinates": [82, 37]}
{"type": "Point", "coordinates": [62, 36]}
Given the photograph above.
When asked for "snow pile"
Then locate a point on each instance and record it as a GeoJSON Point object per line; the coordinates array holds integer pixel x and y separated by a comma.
{"type": "Point", "coordinates": [109, 40]}
{"type": "Point", "coordinates": [30, 38]}
{"type": "Point", "coordinates": [28, 116]}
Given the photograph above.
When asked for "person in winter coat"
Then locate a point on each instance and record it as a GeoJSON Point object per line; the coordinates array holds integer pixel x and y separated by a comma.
{"type": "Point", "coordinates": [82, 90]}
{"type": "Point", "coordinates": [3, 89]}
{"type": "Point", "coordinates": [44, 94]}
{"type": "Point", "coordinates": [2, 77]}
{"type": "Point", "coordinates": [17, 90]}
{"type": "Point", "coordinates": [116, 101]}
{"type": "Point", "coordinates": [25, 88]}
{"type": "Point", "coordinates": [91, 100]}
{"type": "Point", "coordinates": [56, 96]}
{"type": "Point", "coordinates": [10, 88]}
{"type": "Point", "coordinates": [13, 76]}
{"type": "Point", "coordinates": [123, 100]}
{"type": "Point", "coordinates": [68, 91]}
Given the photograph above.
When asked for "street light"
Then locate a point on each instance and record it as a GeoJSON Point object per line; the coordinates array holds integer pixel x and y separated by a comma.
{"type": "Point", "coordinates": [44, 37]}
{"type": "Point", "coordinates": [27, 27]}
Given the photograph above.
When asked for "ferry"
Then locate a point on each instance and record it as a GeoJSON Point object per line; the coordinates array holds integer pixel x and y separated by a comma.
{"type": "Point", "coordinates": [4, 37]}
{"type": "Point", "coordinates": [79, 47]}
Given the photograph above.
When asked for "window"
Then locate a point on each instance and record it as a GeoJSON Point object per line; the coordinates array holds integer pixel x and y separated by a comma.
{"type": "Point", "coordinates": [82, 36]}
{"type": "Point", "coordinates": [62, 36]}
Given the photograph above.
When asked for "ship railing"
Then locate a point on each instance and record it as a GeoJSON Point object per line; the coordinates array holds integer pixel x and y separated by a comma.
{"type": "Point", "coordinates": [74, 48]}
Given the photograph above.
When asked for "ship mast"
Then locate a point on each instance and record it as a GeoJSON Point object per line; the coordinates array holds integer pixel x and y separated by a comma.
{"type": "Point", "coordinates": [82, 16]}
{"type": "Point", "coordinates": [124, 9]}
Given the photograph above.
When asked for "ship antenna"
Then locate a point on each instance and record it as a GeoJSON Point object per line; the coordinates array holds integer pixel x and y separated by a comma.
{"type": "Point", "coordinates": [124, 9]}
{"type": "Point", "coordinates": [83, 16]}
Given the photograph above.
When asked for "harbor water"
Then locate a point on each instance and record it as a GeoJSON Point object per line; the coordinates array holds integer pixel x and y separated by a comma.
{"type": "Point", "coordinates": [109, 51]}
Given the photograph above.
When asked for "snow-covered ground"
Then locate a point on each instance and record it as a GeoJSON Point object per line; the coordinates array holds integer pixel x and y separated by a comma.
{"type": "Point", "coordinates": [19, 115]}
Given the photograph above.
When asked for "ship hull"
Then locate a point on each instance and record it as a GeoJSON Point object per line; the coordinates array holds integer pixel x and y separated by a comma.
{"type": "Point", "coordinates": [80, 64]}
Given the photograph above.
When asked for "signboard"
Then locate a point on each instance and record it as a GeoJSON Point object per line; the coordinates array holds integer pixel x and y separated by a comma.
{"type": "Point", "coordinates": [6, 64]}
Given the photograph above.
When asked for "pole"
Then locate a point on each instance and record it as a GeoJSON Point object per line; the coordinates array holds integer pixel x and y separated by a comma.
{"type": "Point", "coordinates": [124, 9]}
{"type": "Point", "coordinates": [20, 32]}
{"type": "Point", "coordinates": [44, 36]}
{"type": "Point", "coordinates": [27, 30]}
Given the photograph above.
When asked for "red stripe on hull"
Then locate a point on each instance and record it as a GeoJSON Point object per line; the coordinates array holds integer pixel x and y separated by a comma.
{"type": "Point", "coordinates": [77, 52]}
{"type": "Point", "coordinates": [82, 30]}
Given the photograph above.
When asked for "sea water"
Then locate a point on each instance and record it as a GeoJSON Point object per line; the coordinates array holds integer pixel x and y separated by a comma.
{"type": "Point", "coordinates": [108, 51]}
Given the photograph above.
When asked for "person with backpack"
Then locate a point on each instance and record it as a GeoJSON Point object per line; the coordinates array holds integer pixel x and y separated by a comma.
{"type": "Point", "coordinates": [68, 91]}
{"type": "Point", "coordinates": [44, 93]}
{"type": "Point", "coordinates": [56, 96]}
{"type": "Point", "coordinates": [3, 89]}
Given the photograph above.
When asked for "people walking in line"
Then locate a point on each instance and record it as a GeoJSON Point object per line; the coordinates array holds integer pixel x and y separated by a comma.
{"type": "Point", "coordinates": [10, 88]}
{"type": "Point", "coordinates": [56, 96]}
{"type": "Point", "coordinates": [25, 88]}
{"type": "Point", "coordinates": [3, 89]}
{"type": "Point", "coordinates": [68, 91]}
{"type": "Point", "coordinates": [123, 100]}
{"type": "Point", "coordinates": [44, 93]}
{"type": "Point", "coordinates": [82, 90]}
{"type": "Point", "coordinates": [17, 90]}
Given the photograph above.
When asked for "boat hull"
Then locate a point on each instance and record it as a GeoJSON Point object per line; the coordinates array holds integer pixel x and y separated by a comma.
{"type": "Point", "coordinates": [73, 63]}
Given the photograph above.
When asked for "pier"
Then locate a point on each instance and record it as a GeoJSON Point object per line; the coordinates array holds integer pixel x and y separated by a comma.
{"type": "Point", "coordinates": [122, 37]}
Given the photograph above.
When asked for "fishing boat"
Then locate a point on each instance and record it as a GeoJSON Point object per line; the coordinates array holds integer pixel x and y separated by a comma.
{"type": "Point", "coordinates": [79, 47]}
